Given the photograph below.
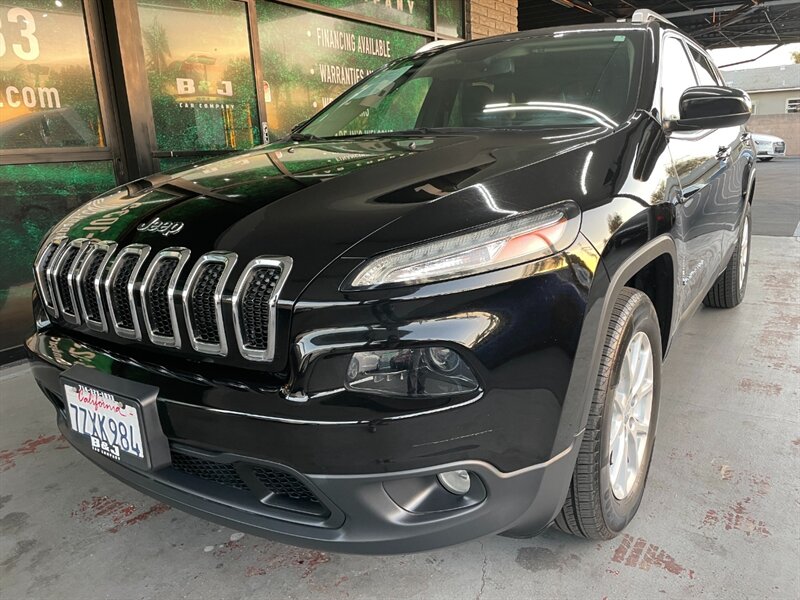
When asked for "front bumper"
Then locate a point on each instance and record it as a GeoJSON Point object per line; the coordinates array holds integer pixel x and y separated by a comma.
{"type": "Point", "coordinates": [773, 149]}
{"type": "Point", "coordinates": [379, 512]}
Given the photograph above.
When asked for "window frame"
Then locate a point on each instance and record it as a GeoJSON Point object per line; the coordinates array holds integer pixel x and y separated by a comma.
{"type": "Point", "coordinates": [795, 102]}
{"type": "Point", "coordinates": [99, 64]}
{"type": "Point", "coordinates": [661, 76]}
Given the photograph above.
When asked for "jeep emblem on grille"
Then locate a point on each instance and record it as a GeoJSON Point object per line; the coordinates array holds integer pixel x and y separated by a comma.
{"type": "Point", "coordinates": [162, 227]}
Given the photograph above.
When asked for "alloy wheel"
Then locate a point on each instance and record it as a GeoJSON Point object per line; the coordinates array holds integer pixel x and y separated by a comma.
{"type": "Point", "coordinates": [630, 415]}
{"type": "Point", "coordinates": [744, 248]}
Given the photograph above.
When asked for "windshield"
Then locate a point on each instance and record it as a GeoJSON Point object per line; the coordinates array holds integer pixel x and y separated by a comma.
{"type": "Point", "coordinates": [576, 78]}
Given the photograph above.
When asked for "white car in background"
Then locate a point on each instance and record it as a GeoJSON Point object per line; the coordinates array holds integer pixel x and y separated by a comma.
{"type": "Point", "coordinates": [768, 146]}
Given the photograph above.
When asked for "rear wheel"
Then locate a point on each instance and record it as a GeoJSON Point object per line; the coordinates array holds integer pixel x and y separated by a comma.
{"type": "Point", "coordinates": [614, 458]}
{"type": "Point", "coordinates": [728, 290]}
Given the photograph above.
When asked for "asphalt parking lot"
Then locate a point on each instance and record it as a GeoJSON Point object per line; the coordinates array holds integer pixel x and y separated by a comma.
{"type": "Point", "coordinates": [720, 517]}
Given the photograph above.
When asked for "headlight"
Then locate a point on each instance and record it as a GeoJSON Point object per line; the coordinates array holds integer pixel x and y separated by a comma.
{"type": "Point", "coordinates": [410, 372]}
{"type": "Point", "coordinates": [510, 242]}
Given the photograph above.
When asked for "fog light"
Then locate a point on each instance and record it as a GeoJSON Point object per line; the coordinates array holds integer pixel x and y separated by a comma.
{"type": "Point", "coordinates": [455, 482]}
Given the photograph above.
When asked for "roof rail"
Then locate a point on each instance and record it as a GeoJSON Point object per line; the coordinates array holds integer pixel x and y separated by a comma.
{"type": "Point", "coordinates": [643, 15]}
{"type": "Point", "coordinates": [436, 44]}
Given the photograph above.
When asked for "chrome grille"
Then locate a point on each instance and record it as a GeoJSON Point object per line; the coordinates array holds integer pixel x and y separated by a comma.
{"type": "Point", "coordinates": [254, 303]}
{"type": "Point", "coordinates": [88, 282]}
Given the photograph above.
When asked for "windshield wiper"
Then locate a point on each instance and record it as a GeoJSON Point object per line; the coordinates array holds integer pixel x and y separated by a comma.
{"type": "Point", "coordinates": [302, 137]}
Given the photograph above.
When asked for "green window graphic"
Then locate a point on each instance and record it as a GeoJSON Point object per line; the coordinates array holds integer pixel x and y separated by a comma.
{"type": "Point", "coordinates": [309, 59]}
{"type": "Point", "coordinates": [47, 93]}
{"type": "Point", "coordinates": [200, 74]}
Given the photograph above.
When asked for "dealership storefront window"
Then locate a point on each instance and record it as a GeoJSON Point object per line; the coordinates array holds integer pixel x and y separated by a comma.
{"type": "Point", "coordinates": [88, 101]}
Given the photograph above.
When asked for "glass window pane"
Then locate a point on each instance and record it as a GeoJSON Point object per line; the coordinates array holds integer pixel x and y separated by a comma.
{"type": "Point", "coordinates": [200, 74]}
{"type": "Point", "coordinates": [543, 81]}
{"type": "Point", "coordinates": [705, 72]}
{"type": "Point", "coordinates": [450, 17]}
{"type": "Point", "coordinates": [302, 77]}
{"type": "Point", "coordinates": [32, 199]}
{"type": "Point", "coordinates": [411, 13]}
{"type": "Point", "coordinates": [677, 75]}
{"type": "Point", "coordinates": [47, 90]}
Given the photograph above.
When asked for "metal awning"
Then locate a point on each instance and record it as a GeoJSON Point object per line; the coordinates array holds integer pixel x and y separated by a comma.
{"type": "Point", "coordinates": [712, 24]}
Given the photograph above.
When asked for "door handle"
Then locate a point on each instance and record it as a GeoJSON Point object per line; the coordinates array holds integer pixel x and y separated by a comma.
{"type": "Point", "coordinates": [724, 153]}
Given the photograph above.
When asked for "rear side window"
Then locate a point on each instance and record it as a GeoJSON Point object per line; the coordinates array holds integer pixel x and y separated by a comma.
{"type": "Point", "coordinates": [706, 75]}
{"type": "Point", "coordinates": [676, 76]}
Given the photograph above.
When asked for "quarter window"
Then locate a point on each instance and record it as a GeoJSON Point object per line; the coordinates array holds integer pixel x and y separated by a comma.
{"type": "Point", "coordinates": [706, 75]}
{"type": "Point", "coordinates": [676, 77]}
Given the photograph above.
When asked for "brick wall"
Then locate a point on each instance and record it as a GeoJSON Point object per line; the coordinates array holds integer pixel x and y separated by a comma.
{"type": "Point", "coordinates": [490, 17]}
{"type": "Point", "coordinates": [784, 126]}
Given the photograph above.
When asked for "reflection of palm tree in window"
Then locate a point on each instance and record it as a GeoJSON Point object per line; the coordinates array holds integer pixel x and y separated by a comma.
{"type": "Point", "coordinates": [155, 38]}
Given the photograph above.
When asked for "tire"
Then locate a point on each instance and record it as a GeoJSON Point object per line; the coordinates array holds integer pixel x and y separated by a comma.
{"type": "Point", "coordinates": [593, 508]}
{"type": "Point", "coordinates": [729, 288]}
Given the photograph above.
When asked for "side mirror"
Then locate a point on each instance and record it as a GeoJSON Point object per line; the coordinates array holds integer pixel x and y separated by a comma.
{"type": "Point", "coordinates": [711, 107]}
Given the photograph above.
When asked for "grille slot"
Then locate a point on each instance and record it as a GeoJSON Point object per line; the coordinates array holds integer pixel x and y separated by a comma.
{"type": "Point", "coordinates": [119, 291]}
{"type": "Point", "coordinates": [204, 313]}
{"type": "Point", "coordinates": [220, 473]}
{"type": "Point", "coordinates": [284, 484]}
{"type": "Point", "coordinates": [91, 301]}
{"type": "Point", "coordinates": [158, 296]}
{"type": "Point", "coordinates": [43, 263]}
{"type": "Point", "coordinates": [203, 302]}
{"type": "Point", "coordinates": [158, 299]}
{"type": "Point", "coordinates": [63, 291]}
{"type": "Point", "coordinates": [271, 487]}
{"type": "Point", "coordinates": [254, 306]}
{"type": "Point", "coordinates": [88, 283]}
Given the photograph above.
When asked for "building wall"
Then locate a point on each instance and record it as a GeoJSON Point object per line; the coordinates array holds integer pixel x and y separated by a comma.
{"type": "Point", "coordinates": [772, 103]}
{"type": "Point", "coordinates": [490, 17]}
{"type": "Point", "coordinates": [784, 126]}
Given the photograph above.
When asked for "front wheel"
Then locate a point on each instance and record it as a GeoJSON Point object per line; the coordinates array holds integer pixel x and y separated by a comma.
{"type": "Point", "coordinates": [614, 458]}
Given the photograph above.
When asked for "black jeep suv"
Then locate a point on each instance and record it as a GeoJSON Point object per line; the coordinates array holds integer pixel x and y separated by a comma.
{"type": "Point", "coordinates": [437, 310]}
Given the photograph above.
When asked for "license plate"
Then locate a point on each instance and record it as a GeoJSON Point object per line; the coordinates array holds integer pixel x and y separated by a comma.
{"type": "Point", "coordinates": [112, 425]}
{"type": "Point", "coordinates": [115, 417]}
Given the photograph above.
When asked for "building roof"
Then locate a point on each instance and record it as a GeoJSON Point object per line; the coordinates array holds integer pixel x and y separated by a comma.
{"type": "Point", "coordinates": [712, 23]}
{"type": "Point", "coordinates": [785, 77]}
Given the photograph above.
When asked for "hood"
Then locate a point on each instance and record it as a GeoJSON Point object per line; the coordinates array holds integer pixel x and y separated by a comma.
{"type": "Point", "coordinates": [764, 138]}
{"type": "Point", "coordinates": [313, 201]}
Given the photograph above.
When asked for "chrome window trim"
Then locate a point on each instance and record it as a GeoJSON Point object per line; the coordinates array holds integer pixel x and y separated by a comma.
{"type": "Point", "coordinates": [140, 250]}
{"type": "Point", "coordinates": [229, 260]}
{"type": "Point", "coordinates": [43, 277]}
{"type": "Point", "coordinates": [109, 248]}
{"type": "Point", "coordinates": [182, 254]}
{"type": "Point", "coordinates": [285, 264]}
{"type": "Point", "coordinates": [81, 245]}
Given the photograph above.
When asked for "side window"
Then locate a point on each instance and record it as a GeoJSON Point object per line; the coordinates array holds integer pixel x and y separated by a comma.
{"type": "Point", "coordinates": [676, 76]}
{"type": "Point", "coordinates": [705, 72]}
